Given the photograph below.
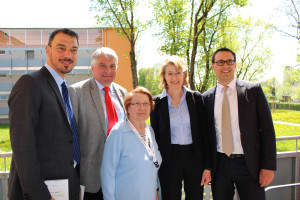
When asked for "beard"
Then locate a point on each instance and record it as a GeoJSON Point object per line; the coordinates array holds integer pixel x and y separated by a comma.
{"type": "Point", "coordinates": [59, 67]}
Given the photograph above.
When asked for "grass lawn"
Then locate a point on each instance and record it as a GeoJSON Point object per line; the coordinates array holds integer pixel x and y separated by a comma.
{"type": "Point", "coordinates": [278, 115]}
{"type": "Point", "coordinates": [4, 145]}
{"type": "Point", "coordinates": [4, 138]}
{"type": "Point", "coordinates": [291, 116]}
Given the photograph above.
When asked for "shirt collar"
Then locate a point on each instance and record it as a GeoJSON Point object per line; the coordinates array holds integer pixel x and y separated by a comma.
{"type": "Point", "coordinates": [164, 94]}
{"type": "Point", "coordinates": [231, 86]}
{"type": "Point", "coordinates": [100, 86]}
{"type": "Point", "coordinates": [58, 79]}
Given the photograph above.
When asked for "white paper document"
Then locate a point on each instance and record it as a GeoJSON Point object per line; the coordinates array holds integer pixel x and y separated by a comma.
{"type": "Point", "coordinates": [59, 189]}
{"type": "Point", "coordinates": [82, 188]}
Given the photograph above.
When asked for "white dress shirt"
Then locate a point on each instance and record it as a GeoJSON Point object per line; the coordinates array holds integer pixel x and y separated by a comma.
{"type": "Point", "coordinates": [234, 116]}
{"type": "Point", "coordinates": [114, 99]}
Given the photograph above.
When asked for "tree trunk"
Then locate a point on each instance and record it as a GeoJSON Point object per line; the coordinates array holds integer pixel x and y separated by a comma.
{"type": "Point", "coordinates": [133, 65]}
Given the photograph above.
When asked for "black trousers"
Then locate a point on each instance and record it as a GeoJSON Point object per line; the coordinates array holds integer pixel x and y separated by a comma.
{"type": "Point", "coordinates": [93, 196]}
{"type": "Point", "coordinates": [184, 166]}
{"type": "Point", "coordinates": [230, 171]}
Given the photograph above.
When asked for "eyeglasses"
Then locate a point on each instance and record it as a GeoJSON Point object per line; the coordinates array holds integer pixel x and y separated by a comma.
{"type": "Point", "coordinates": [138, 104]}
{"type": "Point", "coordinates": [222, 62]}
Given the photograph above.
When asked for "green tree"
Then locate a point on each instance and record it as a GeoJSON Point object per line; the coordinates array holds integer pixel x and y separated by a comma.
{"type": "Point", "coordinates": [291, 10]}
{"type": "Point", "coordinates": [170, 17]}
{"type": "Point", "coordinates": [150, 79]}
{"type": "Point", "coordinates": [122, 14]}
{"type": "Point", "coordinates": [247, 38]}
{"type": "Point", "coordinates": [273, 86]}
{"type": "Point", "coordinates": [191, 20]}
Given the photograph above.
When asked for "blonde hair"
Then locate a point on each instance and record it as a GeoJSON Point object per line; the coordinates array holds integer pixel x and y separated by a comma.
{"type": "Point", "coordinates": [180, 66]}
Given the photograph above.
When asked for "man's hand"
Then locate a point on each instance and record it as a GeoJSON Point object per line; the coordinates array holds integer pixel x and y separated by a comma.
{"type": "Point", "coordinates": [206, 177]}
{"type": "Point", "coordinates": [265, 177]}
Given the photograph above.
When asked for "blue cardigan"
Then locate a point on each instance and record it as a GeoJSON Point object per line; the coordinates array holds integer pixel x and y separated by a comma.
{"type": "Point", "coordinates": [127, 171]}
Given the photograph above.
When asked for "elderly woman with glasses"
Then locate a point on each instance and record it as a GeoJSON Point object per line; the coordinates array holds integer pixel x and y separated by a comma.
{"type": "Point", "coordinates": [131, 158]}
{"type": "Point", "coordinates": [180, 126]}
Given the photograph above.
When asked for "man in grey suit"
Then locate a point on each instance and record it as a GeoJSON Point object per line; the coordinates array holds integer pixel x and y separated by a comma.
{"type": "Point", "coordinates": [40, 133]}
{"type": "Point", "coordinates": [89, 105]}
{"type": "Point", "coordinates": [246, 156]}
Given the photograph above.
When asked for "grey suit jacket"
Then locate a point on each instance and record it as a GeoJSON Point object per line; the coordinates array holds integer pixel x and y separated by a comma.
{"type": "Point", "coordinates": [90, 117]}
{"type": "Point", "coordinates": [256, 126]}
{"type": "Point", "coordinates": [41, 138]}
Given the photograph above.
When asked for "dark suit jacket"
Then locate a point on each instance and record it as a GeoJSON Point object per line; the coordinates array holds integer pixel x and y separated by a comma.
{"type": "Point", "coordinates": [256, 126]}
{"type": "Point", "coordinates": [160, 122]}
{"type": "Point", "coordinates": [41, 138]}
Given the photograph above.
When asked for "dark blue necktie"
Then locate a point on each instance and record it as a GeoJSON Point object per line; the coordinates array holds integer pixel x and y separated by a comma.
{"type": "Point", "coordinates": [72, 122]}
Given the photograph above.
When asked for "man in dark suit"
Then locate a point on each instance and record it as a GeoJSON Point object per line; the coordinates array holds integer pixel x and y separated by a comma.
{"type": "Point", "coordinates": [88, 101]}
{"type": "Point", "coordinates": [41, 136]}
{"type": "Point", "coordinates": [246, 157]}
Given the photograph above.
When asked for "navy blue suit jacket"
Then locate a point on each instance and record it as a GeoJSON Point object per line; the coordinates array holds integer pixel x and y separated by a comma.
{"type": "Point", "coordinates": [256, 126]}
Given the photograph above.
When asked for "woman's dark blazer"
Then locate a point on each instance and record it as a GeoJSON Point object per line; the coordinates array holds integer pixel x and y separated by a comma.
{"type": "Point", "coordinates": [160, 122]}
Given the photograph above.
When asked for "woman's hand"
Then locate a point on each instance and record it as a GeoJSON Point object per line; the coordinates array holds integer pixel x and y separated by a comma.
{"type": "Point", "coordinates": [206, 177]}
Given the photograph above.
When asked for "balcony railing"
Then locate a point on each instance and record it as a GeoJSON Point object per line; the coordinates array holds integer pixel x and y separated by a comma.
{"type": "Point", "coordinates": [294, 173]}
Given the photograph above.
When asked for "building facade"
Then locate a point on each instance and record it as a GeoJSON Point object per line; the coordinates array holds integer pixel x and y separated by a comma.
{"type": "Point", "coordinates": [22, 50]}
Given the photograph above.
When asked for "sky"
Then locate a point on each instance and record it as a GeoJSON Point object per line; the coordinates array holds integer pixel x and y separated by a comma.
{"type": "Point", "coordinates": [77, 14]}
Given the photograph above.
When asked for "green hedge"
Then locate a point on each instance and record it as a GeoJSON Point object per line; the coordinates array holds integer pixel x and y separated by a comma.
{"type": "Point", "coordinates": [285, 106]}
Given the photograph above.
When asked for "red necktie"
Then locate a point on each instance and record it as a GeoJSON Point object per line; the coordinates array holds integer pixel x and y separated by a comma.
{"type": "Point", "coordinates": [110, 109]}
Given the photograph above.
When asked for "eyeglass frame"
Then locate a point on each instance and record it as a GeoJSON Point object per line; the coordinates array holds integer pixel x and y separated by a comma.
{"type": "Point", "coordinates": [224, 61]}
{"type": "Point", "coordinates": [138, 104]}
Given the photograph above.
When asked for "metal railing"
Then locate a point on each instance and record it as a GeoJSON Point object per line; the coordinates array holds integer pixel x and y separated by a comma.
{"type": "Point", "coordinates": [6, 156]}
{"type": "Point", "coordinates": [289, 138]}
{"type": "Point", "coordinates": [282, 186]}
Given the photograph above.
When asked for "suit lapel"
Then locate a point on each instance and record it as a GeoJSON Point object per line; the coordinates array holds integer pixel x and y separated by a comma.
{"type": "Point", "coordinates": [98, 103]}
{"type": "Point", "coordinates": [191, 107]}
{"type": "Point", "coordinates": [211, 111]}
{"type": "Point", "coordinates": [211, 105]}
{"type": "Point", "coordinates": [164, 112]}
{"type": "Point", "coordinates": [242, 100]}
{"type": "Point", "coordinates": [120, 96]}
{"type": "Point", "coordinates": [55, 88]}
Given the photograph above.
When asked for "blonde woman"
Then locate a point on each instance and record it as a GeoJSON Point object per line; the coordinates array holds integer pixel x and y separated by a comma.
{"type": "Point", "coordinates": [179, 123]}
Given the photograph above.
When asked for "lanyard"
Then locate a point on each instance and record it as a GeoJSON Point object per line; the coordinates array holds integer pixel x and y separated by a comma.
{"type": "Point", "coordinates": [150, 149]}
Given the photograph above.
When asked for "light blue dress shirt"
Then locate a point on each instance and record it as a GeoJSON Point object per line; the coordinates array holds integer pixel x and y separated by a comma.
{"type": "Point", "coordinates": [180, 124]}
{"type": "Point", "coordinates": [127, 171]}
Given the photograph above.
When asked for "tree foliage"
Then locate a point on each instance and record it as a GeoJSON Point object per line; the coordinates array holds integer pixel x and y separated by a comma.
{"type": "Point", "coordinates": [291, 10]}
{"type": "Point", "coordinates": [170, 16]}
{"type": "Point", "coordinates": [247, 38]}
{"type": "Point", "coordinates": [197, 24]}
{"type": "Point", "coordinates": [121, 14]}
{"type": "Point", "coordinates": [150, 79]}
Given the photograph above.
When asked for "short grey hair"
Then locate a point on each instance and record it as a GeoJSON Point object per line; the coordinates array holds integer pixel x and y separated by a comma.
{"type": "Point", "coordinates": [107, 52]}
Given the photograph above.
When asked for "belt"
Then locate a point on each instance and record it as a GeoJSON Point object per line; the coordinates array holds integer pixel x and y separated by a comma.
{"type": "Point", "coordinates": [233, 155]}
{"type": "Point", "coordinates": [182, 147]}
{"type": "Point", "coordinates": [236, 156]}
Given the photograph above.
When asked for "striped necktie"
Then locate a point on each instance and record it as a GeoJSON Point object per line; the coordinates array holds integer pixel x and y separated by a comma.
{"type": "Point", "coordinates": [72, 122]}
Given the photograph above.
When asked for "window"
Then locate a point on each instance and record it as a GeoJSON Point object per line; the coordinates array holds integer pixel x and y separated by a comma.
{"type": "Point", "coordinates": [30, 55]}
{"type": "Point", "coordinates": [2, 52]}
